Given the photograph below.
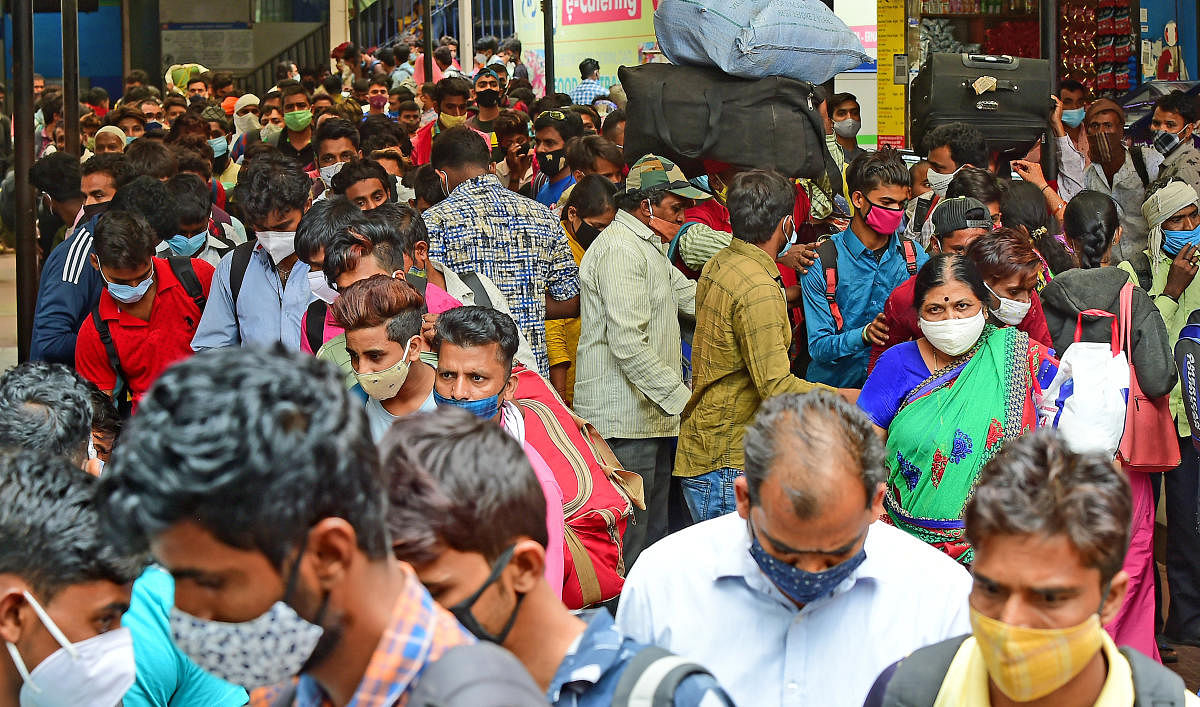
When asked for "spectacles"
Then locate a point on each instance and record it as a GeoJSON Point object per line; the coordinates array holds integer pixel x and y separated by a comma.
{"type": "Point", "coordinates": [554, 115]}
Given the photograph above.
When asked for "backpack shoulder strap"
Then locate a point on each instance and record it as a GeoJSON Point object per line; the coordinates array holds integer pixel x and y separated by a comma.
{"type": "Point", "coordinates": [1153, 685]}
{"type": "Point", "coordinates": [1141, 269]}
{"type": "Point", "coordinates": [651, 678]}
{"type": "Point", "coordinates": [120, 393]}
{"type": "Point", "coordinates": [910, 255]}
{"type": "Point", "coordinates": [1139, 164]}
{"type": "Point", "coordinates": [918, 677]}
{"type": "Point", "coordinates": [185, 272]}
{"type": "Point", "coordinates": [827, 252]}
{"type": "Point", "coordinates": [237, 272]}
{"type": "Point", "coordinates": [471, 279]}
{"type": "Point", "coordinates": [314, 324]}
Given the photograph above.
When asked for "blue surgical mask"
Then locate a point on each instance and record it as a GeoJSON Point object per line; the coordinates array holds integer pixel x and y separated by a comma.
{"type": "Point", "coordinates": [153, 125]}
{"type": "Point", "coordinates": [486, 409]}
{"type": "Point", "coordinates": [1174, 241]}
{"type": "Point", "coordinates": [129, 294]}
{"type": "Point", "coordinates": [129, 139]}
{"type": "Point", "coordinates": [1074, 117]}
{"type": "Point", "coordinates": [798, 585]}
{"type": "Point", "coordinates": [791, 241]}
{"type": "Point", "coordinates": [219, 145]}
{"type": "Point", "coordinates": [187, 245]}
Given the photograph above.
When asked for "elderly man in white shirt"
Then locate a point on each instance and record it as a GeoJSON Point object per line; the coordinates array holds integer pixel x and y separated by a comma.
{"type": "Point", "coordinates": [800, 597]}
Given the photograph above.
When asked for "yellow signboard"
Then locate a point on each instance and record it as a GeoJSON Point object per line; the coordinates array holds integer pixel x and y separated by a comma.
{"type": "Point", "coordinates": [891, 84]}
{"type": "Point", "coordinates": [613, 32]}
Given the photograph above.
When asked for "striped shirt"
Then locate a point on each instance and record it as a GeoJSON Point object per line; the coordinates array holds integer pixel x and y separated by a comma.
{"type": "Point", "coordinates": [68, 291]}
{"type": "Point", "coordinates": [630, 380]}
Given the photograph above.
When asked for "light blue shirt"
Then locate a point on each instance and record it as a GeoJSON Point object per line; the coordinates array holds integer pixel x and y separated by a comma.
{"type": "Point", "coordinates": [699, 594]}
{"type": "Point", "coordinates": [165, 676]}
{"type": "Point", "coordinates": [266, 311]}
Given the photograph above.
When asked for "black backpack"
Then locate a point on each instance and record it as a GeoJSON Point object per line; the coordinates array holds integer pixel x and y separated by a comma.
{"type": "Point", "coordinates": [183, 270]}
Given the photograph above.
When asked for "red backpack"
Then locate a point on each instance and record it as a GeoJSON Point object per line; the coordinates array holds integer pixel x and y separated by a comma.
{"type": "Point", "coordinates": [598, 495]}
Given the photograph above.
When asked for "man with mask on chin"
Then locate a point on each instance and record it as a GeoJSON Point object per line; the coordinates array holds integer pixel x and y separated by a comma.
{"type": "Point", "coordinates": [260, 291]}
{"type": "Point", "coordinates": [1050, 529]}
{"type": "Point", "coordinates": [790, 584]}
{"type": "Point", "coordinates": [629, 382]}
{"type": "Point", "coordinates": [272, 522]}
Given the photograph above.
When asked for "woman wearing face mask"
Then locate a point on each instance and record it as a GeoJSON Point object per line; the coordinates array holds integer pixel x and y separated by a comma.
{"type": "Point", "coordinates": [1010, 267]}
{"type": "Point", "coordinates": [382, 317]}
{"type": "Point", "coordinates": [948, 401]}
{"type": "Point", "coordinates": [589, 210]}
{"type": "Point", "coordinates": [1092, 226]}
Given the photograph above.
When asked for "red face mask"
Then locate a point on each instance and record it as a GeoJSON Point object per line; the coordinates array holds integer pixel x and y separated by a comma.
{"type": "Point", "coordinates": [664, 228]}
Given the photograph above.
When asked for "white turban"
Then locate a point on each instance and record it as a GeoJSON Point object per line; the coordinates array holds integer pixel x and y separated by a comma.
{"type": "Point", "coordinates": [1162, 205]}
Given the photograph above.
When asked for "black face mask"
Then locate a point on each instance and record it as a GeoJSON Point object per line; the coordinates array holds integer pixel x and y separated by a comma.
{"type": "Point", "coordinates": [90, 210]}
{"type": "Point", "coordinates": [488, 99]}
{"type": "Point", "coordinates": [551, 163]}
{"type": "Point", "coordinates": [585, 234]}
{"type": "Point", "coordinates": [462, 610]}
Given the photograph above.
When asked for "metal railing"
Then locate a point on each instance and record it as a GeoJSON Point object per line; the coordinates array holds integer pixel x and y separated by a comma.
{"type": "Point", "coordinates": [310, 51]}
{"type": "Point", "coordinates": [376, 24]}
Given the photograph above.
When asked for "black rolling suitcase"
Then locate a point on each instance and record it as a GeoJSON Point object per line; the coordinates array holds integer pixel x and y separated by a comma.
{"type": "Point", "coordinates": [1012, 117]}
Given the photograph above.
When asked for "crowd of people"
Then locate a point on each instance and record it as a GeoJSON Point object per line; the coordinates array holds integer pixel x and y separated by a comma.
{"type": "Point", "coordinates": [370, 377]}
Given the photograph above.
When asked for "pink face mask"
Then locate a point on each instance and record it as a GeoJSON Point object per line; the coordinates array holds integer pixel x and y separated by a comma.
{"type": "Point", "coordinates": [883, 220]}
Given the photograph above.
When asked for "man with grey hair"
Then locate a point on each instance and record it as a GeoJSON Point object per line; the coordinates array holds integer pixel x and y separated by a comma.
{"type": "Point", "coordinates": [47, 407]}
{"type": "Point", "coordinates": [800, 597]}
{"type": "Point", "coordinates": [740, 350]}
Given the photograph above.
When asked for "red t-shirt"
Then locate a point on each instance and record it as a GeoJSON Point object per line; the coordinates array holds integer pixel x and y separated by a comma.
{"type": "Point", "coordinates": [144, 348]}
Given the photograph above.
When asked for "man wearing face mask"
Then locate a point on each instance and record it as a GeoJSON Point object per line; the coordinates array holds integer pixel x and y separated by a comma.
{"type": "Point", "coordinates": [260, 291]}
{"type": "Point", "coordinates": [146, 316]}
{"type": "Point", "coordinates": [245, 116]}
{"type": "Point", "coordinates": [198, 235]}
{"type": "Point", "coordinates": [779, 582]}
{"type": "Point", "coordinates": [949, 148]}
{"type": "Point", "coordinates": [268, 588]}
{"type": "Point", "coordinates": [844, 111]}
{"type": "Point", "coordinates": [488, 568]}
{"type": "Point", "coordinates": [1173, 126]}
{"type": "Point", "coordinates": [856, 270]}
{"type": "Point", "coordinates": [552, 130]}
{"type": "Point", "coordinates": [487, 102]}
{"type": "Point", "coordinates": [1050, 529]}
{"type": "Point", "coordinates": [337, 144]}
{"type": "Point", "coordinates": [450, 99]}
{"type": "Point", "coordinates": [377, 95]}
{"type": "Point", "coordinates": [629, 382]}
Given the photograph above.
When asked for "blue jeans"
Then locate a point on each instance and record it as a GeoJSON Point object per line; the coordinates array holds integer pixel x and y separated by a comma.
{"type": "Point", "coordinates": [710, 495]}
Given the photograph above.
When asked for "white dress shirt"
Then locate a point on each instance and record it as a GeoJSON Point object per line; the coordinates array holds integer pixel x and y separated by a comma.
{"type": "Point", "coordinates": [699, 594]}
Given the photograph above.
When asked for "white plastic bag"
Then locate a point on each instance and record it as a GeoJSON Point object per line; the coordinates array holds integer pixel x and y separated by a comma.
{"type": "Point", "coordinates": [1087, 397]}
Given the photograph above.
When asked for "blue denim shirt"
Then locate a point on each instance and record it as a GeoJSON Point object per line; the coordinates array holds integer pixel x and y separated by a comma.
{"type": "Point", "coordinates": [266, 310]}
{"type": "Point", "coordinates": [839, 356]}
{"type": "Point", "coordinates": [589, 673]}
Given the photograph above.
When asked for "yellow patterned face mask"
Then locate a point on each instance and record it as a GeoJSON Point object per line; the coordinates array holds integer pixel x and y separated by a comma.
{"type": "Point", "coordinates": [1029, 663]}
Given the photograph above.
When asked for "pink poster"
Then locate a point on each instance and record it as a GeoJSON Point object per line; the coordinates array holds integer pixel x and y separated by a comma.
{"type": "Point", "coordinates": [579, 12]}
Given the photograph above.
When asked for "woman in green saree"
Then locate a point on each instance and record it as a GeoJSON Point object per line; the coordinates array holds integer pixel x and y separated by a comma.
{"type": "Point", "coordinates": [947, 402]}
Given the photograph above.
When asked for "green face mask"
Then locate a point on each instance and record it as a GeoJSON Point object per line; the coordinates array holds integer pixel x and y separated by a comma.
{"type": "Point", "coordinates": [297, 120]}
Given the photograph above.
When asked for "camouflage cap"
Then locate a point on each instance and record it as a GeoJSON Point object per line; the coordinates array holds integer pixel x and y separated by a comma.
{"type": "Point", "coordinates": [654, 173]}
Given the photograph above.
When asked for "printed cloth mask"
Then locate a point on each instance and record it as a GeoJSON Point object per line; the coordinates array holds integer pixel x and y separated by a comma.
{"type": "Point", "coordinates": [1010, 311]}
{"type": "Point", "coordinates": [940, 182]}
{"type": "Point", "coordinates": [462, 610]}
{"type": "Point", "coordinates": [1106, 149]}
{"type": "Point", "coordinates": [328, 172]}
{"type": "Point", "coordinates": [551, 163]}
{"type": "Point", "coordinates": [1174, 241]}
{"type": "Point", "coordinates": [96, 671]}
{"type": "Point", "coordinates": [1165, 141]}
{"type": "Point", "coordinates": [257, 653]}
{"type": "Point", "coordinates": [278, 244]}
{"type": "Point", "coordinates": [488, 98]}
{"type": "Point", "coordinates": [298, 120]}
{"type": "Point", "coordinates": [1074, 116]}
{"type": "Point", "coordinates": [486, 408]}
{"type": "Point", "coordinates": [799, 585]}
{"type": "Point", "coordinates": [1029, 663]}
{"type": "Point", "coordinates": [219, 145]}
{"type": "Point", "coordinates": [246, 123]}
{"type": "Point", "coordinates": [847, 128]}
{"type": "Point", "coordinates": [451, 121]}
{"type": "Point", "coordinates": [319, 286]}
{"type": "Point", "coordinates": [953, 336]}
{"type": "Point", "coordinates": [383, 385]}
{"type": "Point", "coordinates": [377, 101]}
{"type": "Point", "coordinates": [664, 228]}
{"type": "Point", "coordinates": [269, 132]}
{"type": "Point", "coordinates": [883, 220]}
{"type": "Point", "coordinates": [187, 245]}
{"type": "Point", "coordinates": [128, 294]}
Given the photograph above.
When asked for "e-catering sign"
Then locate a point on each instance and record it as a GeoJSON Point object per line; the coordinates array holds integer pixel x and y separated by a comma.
{"type": "Point", "coordinates": [579, 12]}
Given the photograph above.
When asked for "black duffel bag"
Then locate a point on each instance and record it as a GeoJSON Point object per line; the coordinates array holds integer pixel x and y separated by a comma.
{"type": "Point", "coordinates": [1012, 118]}
{"type": "Point", "coordinates": [689, 113]}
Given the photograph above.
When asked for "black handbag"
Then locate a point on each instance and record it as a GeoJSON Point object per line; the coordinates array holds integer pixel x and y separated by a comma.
{"type": "Point", "coordinates": [689, 113]}
{"type": "Point", "coordinates": [1012, 117]}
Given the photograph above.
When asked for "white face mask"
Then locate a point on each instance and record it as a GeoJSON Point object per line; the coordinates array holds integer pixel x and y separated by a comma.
{"type": "Point", "coordinates": [1010, 311]}
{"type": "Point", "coordinates": [328, 173]}
{"type": "Point", "coordinates": [940, 182]}
{"type": "Point", "coordinates": [320, 287]}
{"type": "Point", "coordinates": [246, 123]}
{"type": "Point", "coordinates": [278, 244]}
{"type": "Point", "coordinates": [269, 132]}
{"type": "Point", "coordinates": [97, 671]}
{"type": "Point", "coordinates": [953, 336]}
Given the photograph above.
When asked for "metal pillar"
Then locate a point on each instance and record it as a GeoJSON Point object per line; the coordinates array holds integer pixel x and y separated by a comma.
{"type": "Point", "coordinates": [466, 37]}
{"type": "Point", "coordinates": [70, 39]}
{"type": "Point", "coordinates": [548, 42]}
{"type": "Point", "coordinates": [427, 37]}
{"type": "Point", "coordinates": [26, 214]}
